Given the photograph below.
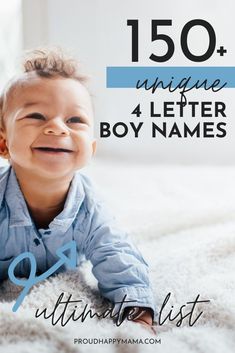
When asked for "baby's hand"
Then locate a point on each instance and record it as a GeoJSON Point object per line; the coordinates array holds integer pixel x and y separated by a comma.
{"type": "Point", "coordinates": [148, 327]}
{"type": "Point", "coordinates": [143, 316]}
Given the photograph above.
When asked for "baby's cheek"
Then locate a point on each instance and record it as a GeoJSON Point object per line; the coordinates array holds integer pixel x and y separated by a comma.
{"type": "Point", "coordinates": [18, 147]}
{"type": "Point", "coordinates": [86, 150]}
{"type": "Point", "coordinates": [84, 154]}
{"type": "Point", "coordinates": [84, 141]}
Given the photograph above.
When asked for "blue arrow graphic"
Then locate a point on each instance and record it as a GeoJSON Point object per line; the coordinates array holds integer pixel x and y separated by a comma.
{"type": "Point", "coordinates": [33, 279]}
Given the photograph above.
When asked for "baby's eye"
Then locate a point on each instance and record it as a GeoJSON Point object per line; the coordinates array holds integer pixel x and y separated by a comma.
{"type": "Point", "coordinates": [37, 116]}
{"type": "Point", "coordinates": [75, 119]}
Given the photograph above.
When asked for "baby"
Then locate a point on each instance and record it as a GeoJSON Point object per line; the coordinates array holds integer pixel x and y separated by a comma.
{"type": "Point", "coordinates": [46, 133]}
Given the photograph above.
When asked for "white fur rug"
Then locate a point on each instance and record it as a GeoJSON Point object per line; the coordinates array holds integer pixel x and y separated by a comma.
{"type": "Point", "coordinates": [183, 220]}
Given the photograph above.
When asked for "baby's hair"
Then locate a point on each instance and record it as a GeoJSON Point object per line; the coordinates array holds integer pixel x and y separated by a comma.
{"type": "Point", "coordinates": [52, 63]}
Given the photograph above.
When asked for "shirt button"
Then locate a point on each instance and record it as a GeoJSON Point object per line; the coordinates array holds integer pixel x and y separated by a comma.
{"type": "Point", "coordinates": [47, 232]}
{"type": "Point", "coordinates": [36, 241]}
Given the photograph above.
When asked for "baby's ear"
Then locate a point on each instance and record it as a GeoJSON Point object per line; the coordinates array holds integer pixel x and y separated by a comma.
{"type": "Point", "coordinates": [93, 147]}
{"type": "Point", "coordinates": [3, 146]}
{"type": "Point", "coordinates": [2, 138]}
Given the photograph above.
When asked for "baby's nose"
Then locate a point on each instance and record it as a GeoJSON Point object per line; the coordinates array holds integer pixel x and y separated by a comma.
{"type": "Point", "coordinates": [58, 129]}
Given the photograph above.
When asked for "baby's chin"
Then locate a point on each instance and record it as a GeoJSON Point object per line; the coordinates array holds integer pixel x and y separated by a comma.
{"type": "Point", "coordinates": [51, 166]}
{"type": "Point", "coordinates": [54, 171]}
{"type": "Point", "coordinates": [50, 172]}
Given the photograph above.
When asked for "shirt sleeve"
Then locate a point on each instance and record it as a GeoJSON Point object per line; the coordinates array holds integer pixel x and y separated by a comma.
{"type": "Point", "coordinates": [118, 265]}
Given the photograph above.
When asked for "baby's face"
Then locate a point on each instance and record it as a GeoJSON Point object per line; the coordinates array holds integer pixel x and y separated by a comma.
{"type": "Point", "coordinates": [49, 126]}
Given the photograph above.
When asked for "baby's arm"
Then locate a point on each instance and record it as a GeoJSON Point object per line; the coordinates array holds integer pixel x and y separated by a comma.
{"type": "Point", "coordinates": [118, 265]}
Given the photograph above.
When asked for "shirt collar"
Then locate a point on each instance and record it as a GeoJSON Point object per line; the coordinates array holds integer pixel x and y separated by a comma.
{"type": "Point", "coordinates": [19, 214]}
{"type": "Point", "coordinates": [74, 199]}
{"type": "Point", "coordinates": [4, 175]}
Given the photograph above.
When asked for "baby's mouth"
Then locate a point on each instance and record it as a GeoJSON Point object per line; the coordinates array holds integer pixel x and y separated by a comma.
{"type": "Point", "coordinates": [51, 149]}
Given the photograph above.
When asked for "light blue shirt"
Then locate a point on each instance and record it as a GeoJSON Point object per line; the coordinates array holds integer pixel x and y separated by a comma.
{"type": "Point", "coordinates": [117, 264]}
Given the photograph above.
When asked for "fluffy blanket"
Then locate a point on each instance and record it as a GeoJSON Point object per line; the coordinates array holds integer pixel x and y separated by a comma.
{"type": "Point", "coordinates": [183, 221]}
